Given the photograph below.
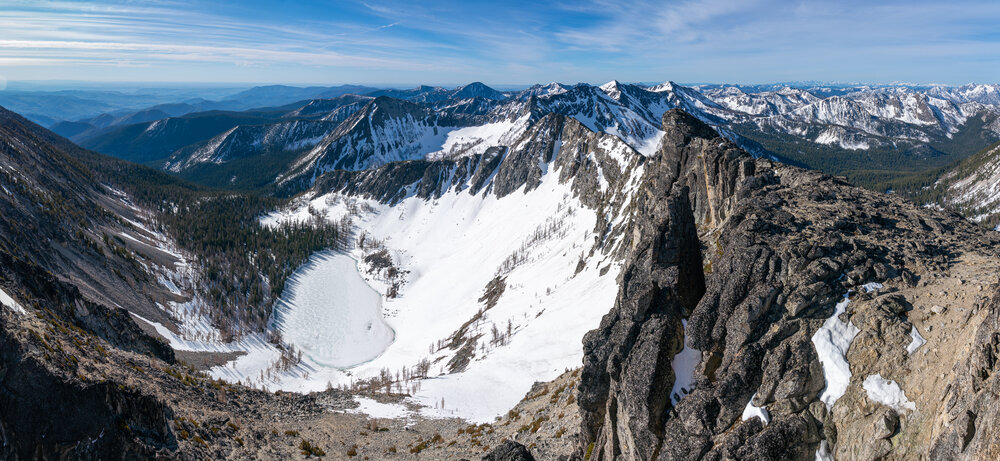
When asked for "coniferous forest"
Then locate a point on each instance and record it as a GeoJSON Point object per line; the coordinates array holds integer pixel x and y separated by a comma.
{"type": "Point", "coordinates": [244, 264]}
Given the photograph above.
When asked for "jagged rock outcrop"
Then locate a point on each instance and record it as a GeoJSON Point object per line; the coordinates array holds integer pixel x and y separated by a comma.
{"type": "Point", "coordinates": [594, 164]}
{"type": "Point", "coordinates": [509, 451]}
{"type": "Point", "coordinates": [779, 246]}
{"type": "Point", "coordinates": [47, 413]}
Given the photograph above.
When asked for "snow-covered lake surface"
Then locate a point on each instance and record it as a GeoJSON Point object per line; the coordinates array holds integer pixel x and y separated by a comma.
{"type": "Point", "coordinates": [330, 313]}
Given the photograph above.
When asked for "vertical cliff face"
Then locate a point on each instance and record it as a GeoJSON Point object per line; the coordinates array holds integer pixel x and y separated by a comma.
{"type": "Point", "coordinates": [627, 381]}
{"type": "Point", "coordinates": [740, 272]}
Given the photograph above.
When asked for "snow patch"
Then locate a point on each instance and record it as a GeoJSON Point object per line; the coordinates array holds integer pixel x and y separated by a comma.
{"type": "Point", "coordinates": [887, 392]}
{"type": "Point", "coordinates": [871, 286]}
{"type": "Point", "coordinates": [684, 364]}
{"type": "Point", "coordinates": [831, 342]}
{"type": "Point", "coordinates": [823, 452]}
{"type": "Point", "coordinates": [168, 284]}
{"type": "Point", "coordinates": [7, 301]}
{"type": "Point", "coordinates": [916, 340]}
{"type": "Point", "coordinates": [759, 412]}
{"type": "Point", "coordinates": [377, 409]}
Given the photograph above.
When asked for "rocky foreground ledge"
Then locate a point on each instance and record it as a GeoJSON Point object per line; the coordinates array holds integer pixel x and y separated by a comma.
{"type": "Point", "coordinates": [765, 312]}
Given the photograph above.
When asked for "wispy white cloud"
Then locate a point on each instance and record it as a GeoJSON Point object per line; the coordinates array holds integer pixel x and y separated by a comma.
{"type": "Point", "coordinates": [518, 42]}
{"type": "Point", "coordinates": [758, 40]}
{"type": "Point", "coordinates": [147, 34]}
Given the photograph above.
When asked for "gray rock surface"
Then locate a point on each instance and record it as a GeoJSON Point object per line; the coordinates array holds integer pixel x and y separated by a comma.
{"type": "Point", "coordinates": [509, 451]}
{"type": "Point", "coordinates": [779, 246]}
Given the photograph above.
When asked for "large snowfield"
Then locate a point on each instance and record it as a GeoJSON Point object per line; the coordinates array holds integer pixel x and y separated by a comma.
{"type": "Point", "coordinates": [452, 248]}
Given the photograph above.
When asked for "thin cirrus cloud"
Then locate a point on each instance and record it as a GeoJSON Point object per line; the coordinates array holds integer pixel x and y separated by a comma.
{"type": "Point", "coordinates": [452, 41]}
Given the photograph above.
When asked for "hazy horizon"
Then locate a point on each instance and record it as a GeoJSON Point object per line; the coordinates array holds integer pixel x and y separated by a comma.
{"type": "Point", "coordinates": [132, 86]}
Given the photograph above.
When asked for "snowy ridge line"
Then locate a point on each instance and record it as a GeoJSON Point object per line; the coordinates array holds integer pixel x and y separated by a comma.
{"type": "Point", "coordinates": [422, 126]}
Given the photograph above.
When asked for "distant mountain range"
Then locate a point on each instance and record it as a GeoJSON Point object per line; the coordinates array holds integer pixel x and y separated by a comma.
{"type": "Point", "coordinates": [101, 108]}
{"type": "Point", "coordinates": [878, 135]}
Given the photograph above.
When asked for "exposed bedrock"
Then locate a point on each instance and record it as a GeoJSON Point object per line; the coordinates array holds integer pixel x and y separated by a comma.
{"type": "Point", "coordinates": [752, 256]}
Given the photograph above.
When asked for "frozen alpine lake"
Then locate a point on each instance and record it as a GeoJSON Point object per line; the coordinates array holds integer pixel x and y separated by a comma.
{"type": "Point", "coordinates": [329, 312]}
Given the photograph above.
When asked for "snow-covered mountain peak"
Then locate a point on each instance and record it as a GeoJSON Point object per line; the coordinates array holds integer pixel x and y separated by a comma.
{"type": "Point", "coordinates": [789, 91]}
{"type": "Point", "coordinates": [665, 86]}
{"type": "Point", "coordinates": [551, 89]}
{"type": "Point", "coordinates": [612, 88]}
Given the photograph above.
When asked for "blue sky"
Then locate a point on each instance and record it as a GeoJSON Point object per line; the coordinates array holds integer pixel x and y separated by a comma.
{"type": "Point", "coordinates": [511, 42]}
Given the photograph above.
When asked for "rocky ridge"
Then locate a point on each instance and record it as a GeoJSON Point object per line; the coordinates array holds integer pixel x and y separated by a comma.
{"type": "Point", "coordinates": [742, 261]}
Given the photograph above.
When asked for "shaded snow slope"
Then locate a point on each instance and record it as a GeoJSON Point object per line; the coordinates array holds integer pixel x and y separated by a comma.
{"type": "Point", "coordinates": [477, 139]}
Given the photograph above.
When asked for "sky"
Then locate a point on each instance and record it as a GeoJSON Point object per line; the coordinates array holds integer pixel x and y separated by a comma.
{"type": "Point", "coordinates": [500, 43]}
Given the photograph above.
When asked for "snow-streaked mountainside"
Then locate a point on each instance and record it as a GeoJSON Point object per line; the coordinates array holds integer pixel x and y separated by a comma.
{"type": "Point", "coordinates": [251, 140]}
{"type": "Point", "coordinates": [389, 129]}
{"type": "Point", "coordinates": [476, 260]}
{"type": "Point", "coordinates": [858, 118]}
{"type": "Point", "coordinates": [972, 187]}
{"type": "Point", "coordinates": [358, 132]}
